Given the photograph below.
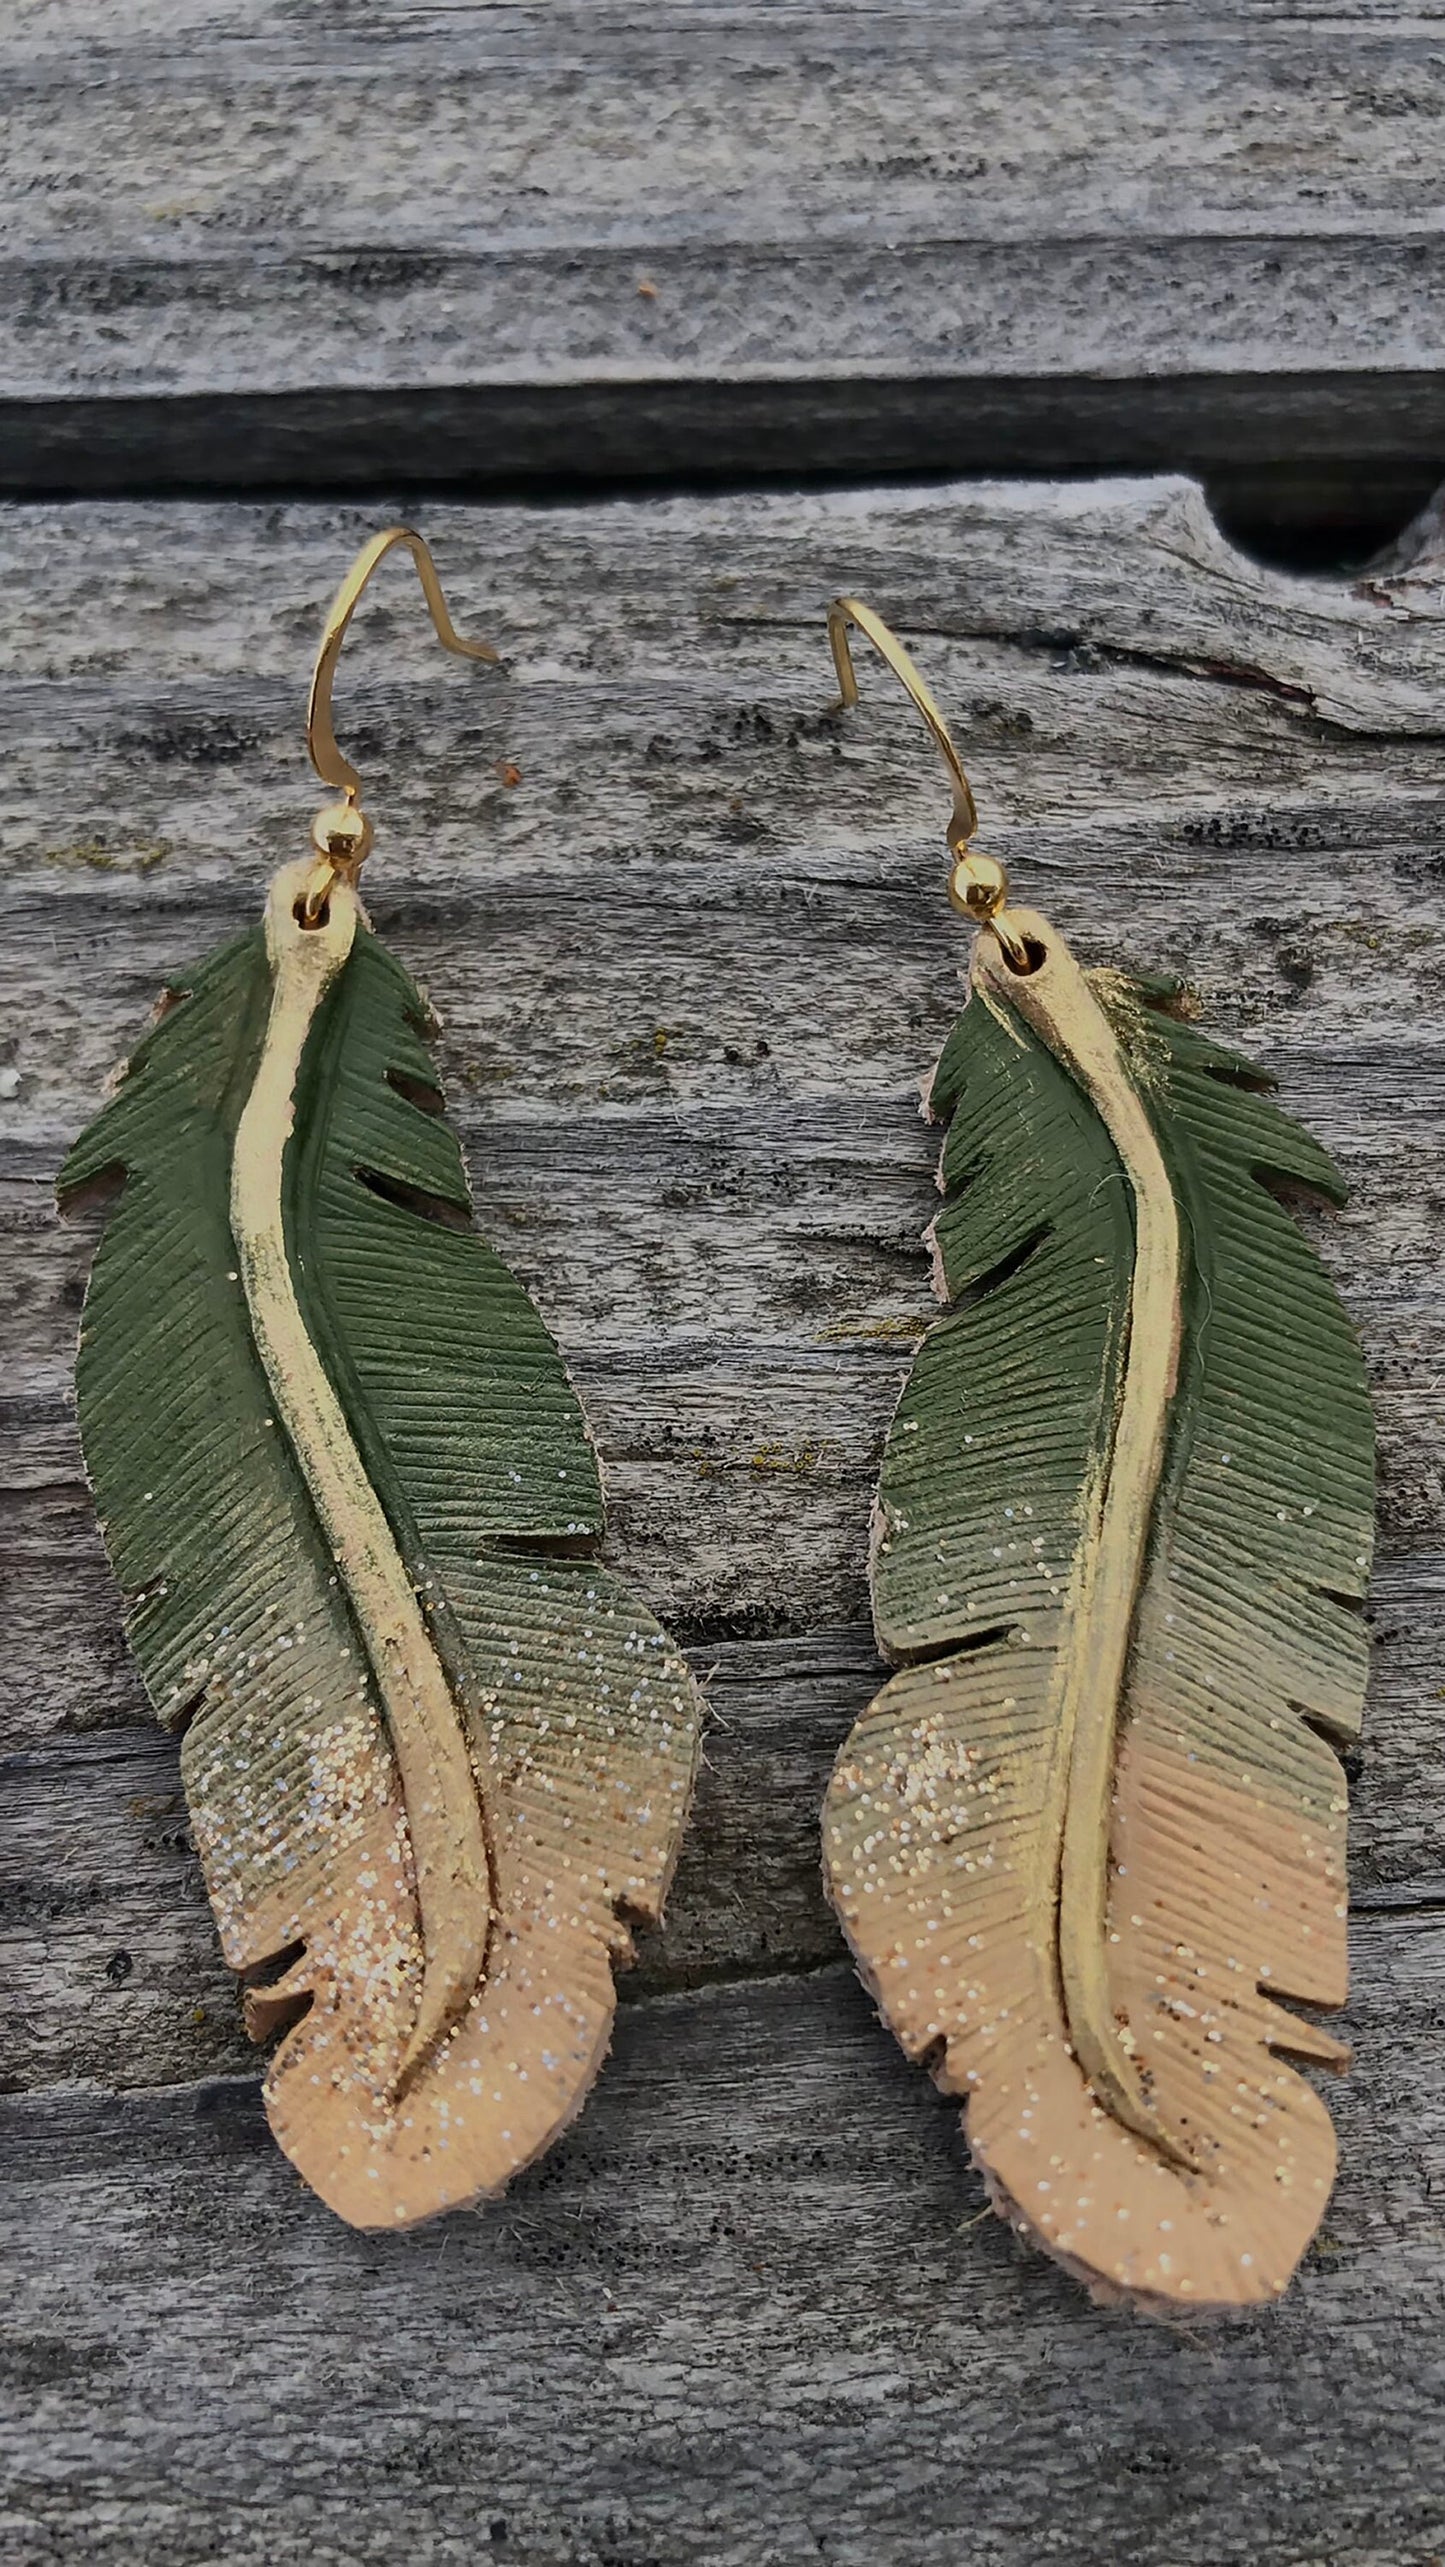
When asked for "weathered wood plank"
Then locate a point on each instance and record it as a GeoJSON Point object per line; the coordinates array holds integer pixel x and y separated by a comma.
{"type": "Point", "coordinates": [488, 241]}
{"type": "Point", "coordinates": [1204, 764]}
{"type": "Point", "coordinates": [107, 1944]}
{"type": "Point", "coordinates": [690, 970]}
{"type": "Point", "coordinates": [747, 2315]}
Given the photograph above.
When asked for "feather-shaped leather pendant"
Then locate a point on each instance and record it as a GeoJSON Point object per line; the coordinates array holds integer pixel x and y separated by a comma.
{"type": "Point", "coordinates": [1088, 1843]}
{"type": "Point", "coordinates": [434, 1755]}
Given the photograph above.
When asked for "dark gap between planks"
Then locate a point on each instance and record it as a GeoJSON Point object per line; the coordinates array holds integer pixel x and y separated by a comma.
{"type": "Point", "coordinates": [1312, 472]}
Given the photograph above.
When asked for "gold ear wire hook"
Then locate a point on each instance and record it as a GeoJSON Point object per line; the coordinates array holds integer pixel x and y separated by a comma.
{"type": "Point", "coordinates": [851, 610]}
{"type": "Point", "coordinates": [341, 833]}
{"type": "Point", "coordinates": [977, 885]}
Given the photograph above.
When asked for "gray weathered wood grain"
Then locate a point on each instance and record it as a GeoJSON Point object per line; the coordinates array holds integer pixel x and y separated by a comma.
{"type": "Point", "coordinates": [752, 2313]}
{"type": "Point", "coordinates": [690, 970]}
{"type": "Point", "coordinates": [249, 242]}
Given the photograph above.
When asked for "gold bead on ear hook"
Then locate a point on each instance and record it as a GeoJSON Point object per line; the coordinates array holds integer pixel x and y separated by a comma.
{"type": "Point", "coordinates": [341, 832]}
{"type": "Point", "coordinates": [977, 885]}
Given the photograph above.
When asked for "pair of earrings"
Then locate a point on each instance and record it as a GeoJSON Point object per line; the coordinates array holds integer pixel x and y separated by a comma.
{"type": "Point", "coordinates": [1087, 1840]}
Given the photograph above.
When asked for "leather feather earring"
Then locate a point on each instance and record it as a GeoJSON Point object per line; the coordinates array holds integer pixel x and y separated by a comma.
{"type": "Point", "coordinates": [432, 1751]}
{"type": "Point", "coordinates": [1090, 1838]}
